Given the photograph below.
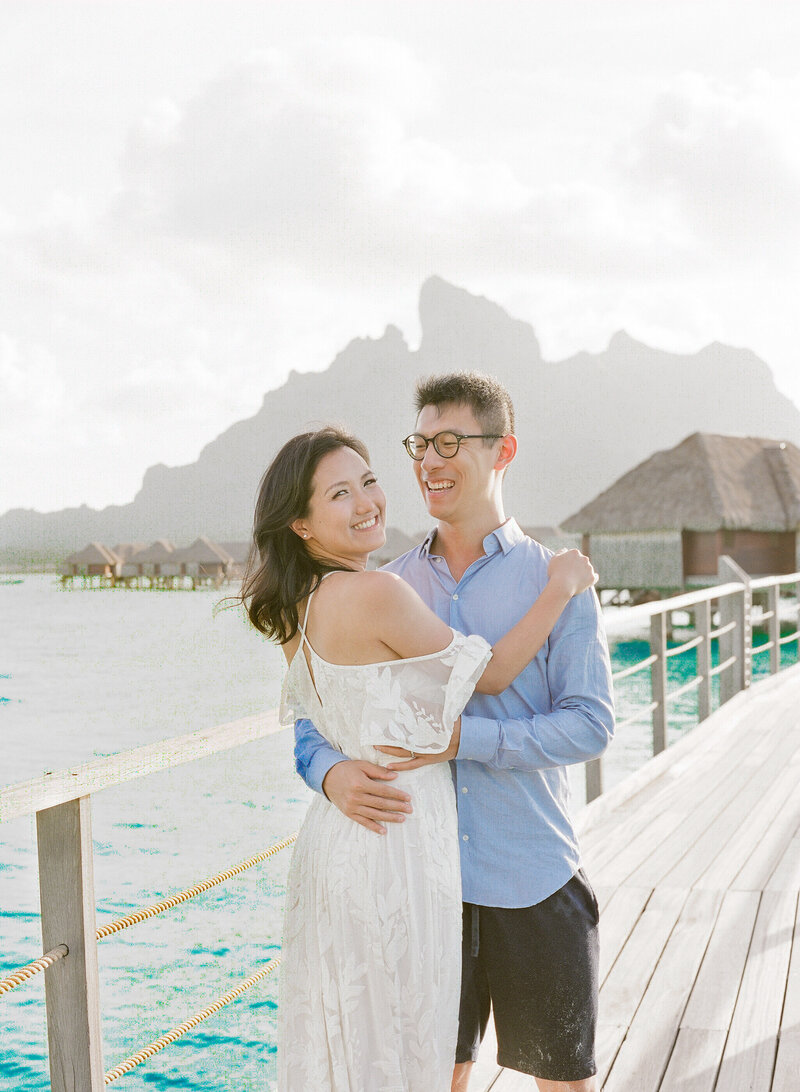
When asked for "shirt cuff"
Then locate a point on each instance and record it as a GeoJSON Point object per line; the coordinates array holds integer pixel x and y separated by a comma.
{"type": "Point", "coordinates": [479, 739]}
{"type": "Point", "coordinates": [323, 760]}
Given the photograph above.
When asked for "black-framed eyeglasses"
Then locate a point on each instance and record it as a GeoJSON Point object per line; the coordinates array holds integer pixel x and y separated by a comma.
{"type": "Point", "coordinates": [445, 444]}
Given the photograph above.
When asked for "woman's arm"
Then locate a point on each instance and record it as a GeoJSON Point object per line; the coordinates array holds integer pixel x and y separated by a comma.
{"type": "Point", "coordinates": [409, 628]}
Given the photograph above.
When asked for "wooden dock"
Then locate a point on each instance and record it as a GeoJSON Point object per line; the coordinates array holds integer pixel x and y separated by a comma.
{"type": "Point", "coordinates": [696, 863]}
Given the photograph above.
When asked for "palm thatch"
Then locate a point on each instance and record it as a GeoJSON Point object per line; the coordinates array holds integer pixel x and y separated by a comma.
{"type": "Point", "coordinates": [93, 554]}
{"type": "Point", "coordinates": [160, 550]}
{"type": "Point", "coordinates": [707, 482]}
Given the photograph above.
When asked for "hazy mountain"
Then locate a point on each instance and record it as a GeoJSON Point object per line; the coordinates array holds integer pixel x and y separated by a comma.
{"type": "Point", "coordinates": [581, 422]}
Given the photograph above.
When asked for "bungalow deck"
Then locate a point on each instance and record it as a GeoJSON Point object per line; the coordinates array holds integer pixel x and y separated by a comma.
{"type": "Point", "coordinates": [696, 863]}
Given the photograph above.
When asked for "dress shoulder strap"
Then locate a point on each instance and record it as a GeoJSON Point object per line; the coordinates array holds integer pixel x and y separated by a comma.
{"type": "Point", "coordinates": [302, 625]}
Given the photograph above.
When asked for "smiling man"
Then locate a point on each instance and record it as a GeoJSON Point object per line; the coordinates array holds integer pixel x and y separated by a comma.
{"type": "Point", "coordinates": [530, 917]}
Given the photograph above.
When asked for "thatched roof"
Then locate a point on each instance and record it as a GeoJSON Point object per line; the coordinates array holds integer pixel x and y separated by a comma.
{"type": "Point", "coordinates": [93, 554]}
{"type": "Point", "coordinates": [160, 550]}
{"type": "Point", "coordinates": [706, 483]}
{"type": "Point", "coordinates": [203, 551]}
{"type": "Point", "coordinates": [124, 551]}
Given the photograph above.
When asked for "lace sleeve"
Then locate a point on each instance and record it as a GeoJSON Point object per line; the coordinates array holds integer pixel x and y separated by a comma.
{"type": "Point", "coordinates": [414, 703]}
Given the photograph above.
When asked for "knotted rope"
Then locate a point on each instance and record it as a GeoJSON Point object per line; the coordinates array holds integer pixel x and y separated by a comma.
{"type": "Point", "coordinates": [187, 1025]}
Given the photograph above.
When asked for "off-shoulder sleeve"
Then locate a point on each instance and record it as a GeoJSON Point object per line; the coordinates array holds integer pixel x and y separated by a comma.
{"type": "Point", "coordinates": [415, 703]}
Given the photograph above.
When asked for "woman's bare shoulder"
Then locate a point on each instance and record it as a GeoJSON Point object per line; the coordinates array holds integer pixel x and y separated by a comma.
{"type": "Point", "coordinates": [373, 589]}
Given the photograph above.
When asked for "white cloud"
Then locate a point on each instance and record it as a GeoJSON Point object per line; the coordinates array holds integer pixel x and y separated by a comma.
{"type": "Point", "coordinates": [727, 159]}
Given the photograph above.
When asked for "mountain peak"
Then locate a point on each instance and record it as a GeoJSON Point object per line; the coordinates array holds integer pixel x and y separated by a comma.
{"type": "Point", "coordinates": [470, 330]}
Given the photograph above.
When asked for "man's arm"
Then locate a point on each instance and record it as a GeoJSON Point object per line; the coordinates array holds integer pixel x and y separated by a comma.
{"type": "Point", "coordinates": [357, 788]}
{"type": "Point", "coordinates": [579, 725]}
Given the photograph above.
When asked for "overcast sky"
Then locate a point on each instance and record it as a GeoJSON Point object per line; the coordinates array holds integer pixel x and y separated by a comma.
{"type": "Point", "coordinates": [197, 197]}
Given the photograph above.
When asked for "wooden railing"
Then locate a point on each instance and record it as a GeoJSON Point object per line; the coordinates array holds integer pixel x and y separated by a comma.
{"type": "Point", "coordinates": [62, 804]}
{"type": "Point", "coordinates": [732, 601]}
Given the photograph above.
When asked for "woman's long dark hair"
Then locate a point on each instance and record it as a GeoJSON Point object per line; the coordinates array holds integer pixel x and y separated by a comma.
{"type": "Point", "coordinates": [280, 570]}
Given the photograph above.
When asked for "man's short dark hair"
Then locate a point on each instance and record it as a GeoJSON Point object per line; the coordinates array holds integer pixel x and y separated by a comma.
{"type": "Point", "coordinates": [485, 395]}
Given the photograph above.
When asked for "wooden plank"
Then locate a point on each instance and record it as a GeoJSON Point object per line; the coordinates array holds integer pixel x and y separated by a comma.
{"type": "Point", "coordinates": [758, 807]}
{"type": "Point", "coordinates": [694, 1062]}
{"type": "Point", "coordinates": [786, 876]}
{"type": "Point", "coordinates": [663, 843]}
{"type": "Point", "coordinates": [627, 980]}
{"type": "Point", "coordinates": [787, 1065]}
{"type": "Point", "coordinates": [608, 1041]}
{"type": "Point", "coordinates": [716, 988]}
{"type": "Point", "coordinates": [771, 836]}
{"type": "Point", "coordinates": [718, 812]}
{"type": "Point", "coordinates": [56, 788]}
{"type": "Point", "coordinates": [643, 1056]}
{"type": "Point", "coordinates": [750, 1051]}
{"type": "Point", "coordinates": [72, 992]}
{"type": "Point", "coordinates": [617, 920]}
{"type": "Point", "coordinates": [655, 815]}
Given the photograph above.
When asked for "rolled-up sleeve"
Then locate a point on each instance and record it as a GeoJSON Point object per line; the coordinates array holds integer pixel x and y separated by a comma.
{"type": "Point", "coordinates": [313, 755]}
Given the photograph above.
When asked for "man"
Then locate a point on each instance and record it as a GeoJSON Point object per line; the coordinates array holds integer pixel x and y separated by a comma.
{"type": "Point", "coordinates": [530, 916]}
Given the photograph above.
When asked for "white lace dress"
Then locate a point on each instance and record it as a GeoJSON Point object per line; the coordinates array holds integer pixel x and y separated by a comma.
{"type": "Point", "coordinates": [371, 953]}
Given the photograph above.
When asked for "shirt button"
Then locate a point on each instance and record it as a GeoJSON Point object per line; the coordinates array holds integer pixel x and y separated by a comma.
{"type": "Point", "coordinates": [456, 596]}
{"type": "Point", "coordinates": [465, 789]}
{"type": "Point", "coordinates": [465, 837]}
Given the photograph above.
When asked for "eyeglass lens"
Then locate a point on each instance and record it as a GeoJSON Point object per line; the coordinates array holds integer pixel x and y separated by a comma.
{"type": "Point", "coordinates": [445, 443]}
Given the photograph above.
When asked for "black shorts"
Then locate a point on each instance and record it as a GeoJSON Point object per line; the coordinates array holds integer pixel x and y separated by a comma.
{"type": "Point", "coordinates": [536, 968]}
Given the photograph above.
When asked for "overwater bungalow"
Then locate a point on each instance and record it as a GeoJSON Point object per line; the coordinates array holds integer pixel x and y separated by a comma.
{"type": "Point", "coordinates": [665, 524]}
{"type": "Point", "coordinates": [126, 553]}
{"type": "Point", "coordinates": [95, 563]}
{"type": "Point", "coordinates": [204, 562]}
{"type": "Point", "coordinates": [147, 562]}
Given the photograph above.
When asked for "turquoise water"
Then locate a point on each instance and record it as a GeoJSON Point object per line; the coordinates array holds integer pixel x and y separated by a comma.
{"type": "Point", "coordinates": [84, 673]}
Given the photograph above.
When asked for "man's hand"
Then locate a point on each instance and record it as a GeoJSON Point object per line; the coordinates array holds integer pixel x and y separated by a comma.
{"type": "Point", "coordinates": [357, 788]}
{"type": "Point", "coordinates": [415, 761]}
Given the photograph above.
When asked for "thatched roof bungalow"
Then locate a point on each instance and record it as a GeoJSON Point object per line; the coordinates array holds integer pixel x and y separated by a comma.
{"type": "Point", "coordinates": [203, 558]}
{"type": "Point", "coordinates": [93, 560]}
{"type": "Point", "coordinates": [665, 523]}
{"type": "Point", "coordinates": [125, 552]}
{"type": "Point", "coordinates": [148, 560]}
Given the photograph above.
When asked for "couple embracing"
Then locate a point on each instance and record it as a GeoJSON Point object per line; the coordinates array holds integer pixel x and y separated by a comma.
{"type": "Point", "coordinates": [437, 703]}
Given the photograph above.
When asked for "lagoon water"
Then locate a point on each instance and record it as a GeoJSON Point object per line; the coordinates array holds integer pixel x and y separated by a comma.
{"type": "Point", "coordinates": [85, 673]}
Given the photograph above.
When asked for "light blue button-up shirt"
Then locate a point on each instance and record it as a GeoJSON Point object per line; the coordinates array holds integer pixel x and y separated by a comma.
{"type": "Point", "coordinates": [518, 844]}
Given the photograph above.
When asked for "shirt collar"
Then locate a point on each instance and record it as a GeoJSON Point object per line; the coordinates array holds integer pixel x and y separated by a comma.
{"type": "Point", "coordinates": [505, 538]}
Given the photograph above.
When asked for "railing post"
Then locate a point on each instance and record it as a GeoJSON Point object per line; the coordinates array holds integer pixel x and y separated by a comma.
{"type": "Point", "coordinates": [658, 680]}
{"type": "Point", "coordinates": [774, 628]}
{"type": "Point", "coordinates": [703, 626]}
{"type": "Point", "coordinates": [593, 770]}
{"type": "Point", "coordinates": [66, 887]}
{"type": "Point", "coordinates": [737, 608]}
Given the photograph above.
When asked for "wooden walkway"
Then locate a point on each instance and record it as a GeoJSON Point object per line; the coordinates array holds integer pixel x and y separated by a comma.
{"type": "Point", "coordinates": [696, 863]}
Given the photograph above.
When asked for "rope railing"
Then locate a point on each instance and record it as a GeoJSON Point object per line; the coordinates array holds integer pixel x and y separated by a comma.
{"type": "Point", "coordinates": [30, 969]}
{"type": "Point", "coordinates": [191, 892]}
{"type": "Point", "coordinates": [49, 958]}
{"type": "Point", "coordinates": [182, 1029]}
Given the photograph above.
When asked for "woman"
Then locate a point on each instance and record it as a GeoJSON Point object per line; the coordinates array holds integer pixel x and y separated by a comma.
{"type": "Point", "coordinates": [372, 933]}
